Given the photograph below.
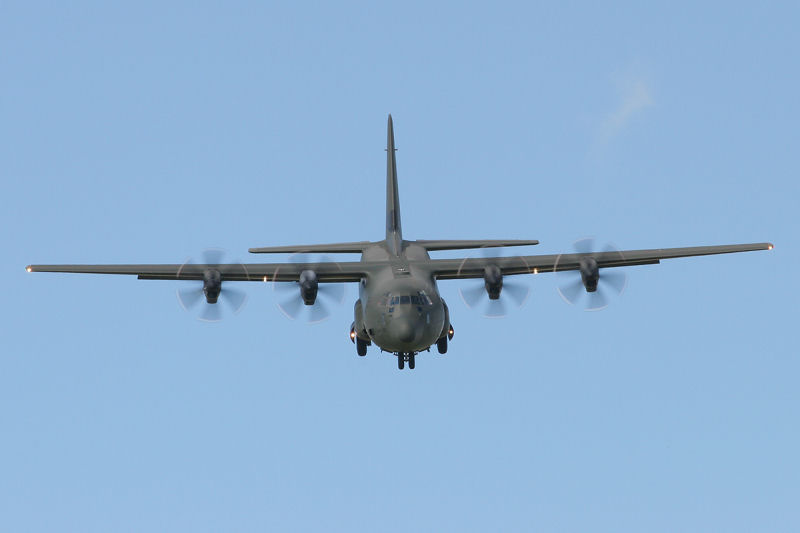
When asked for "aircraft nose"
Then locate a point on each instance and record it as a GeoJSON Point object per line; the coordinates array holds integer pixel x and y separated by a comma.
{"type": "Point", "coordinates": [403, 331]}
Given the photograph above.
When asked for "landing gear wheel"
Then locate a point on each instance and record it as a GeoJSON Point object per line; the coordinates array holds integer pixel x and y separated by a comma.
{"type": "Point", "coordinates": [441, 344]}
{"type": "Point", "coordinates": [411, 361]}
{"type": "Point", "coordinates": [361, 347]}
{"type": "Point", "coordinates": [401, 361]}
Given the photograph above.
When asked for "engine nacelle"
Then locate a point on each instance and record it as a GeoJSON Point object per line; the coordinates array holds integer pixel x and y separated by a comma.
{"type": "Point", "coordinates": [493, 281]}
{"type": "Point", "coordinates": [212, 285]}
{"type": "Point", "coordinates": [358, 323]}
{"type": "Point", "coordinates": [309, 286]}
{"type": "Point", "coordinates": [590, 273]}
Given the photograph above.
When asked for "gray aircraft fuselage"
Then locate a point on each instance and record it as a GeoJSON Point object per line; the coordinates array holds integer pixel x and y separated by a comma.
{"type": "Point", "coordinates": [400, 309]}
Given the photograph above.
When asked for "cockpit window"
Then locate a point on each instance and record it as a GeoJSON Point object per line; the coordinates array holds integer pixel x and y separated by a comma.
{"type": "Point", "coordinates": [419, 298]}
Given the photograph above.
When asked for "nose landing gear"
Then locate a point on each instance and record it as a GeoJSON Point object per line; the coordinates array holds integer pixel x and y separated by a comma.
{"type": "Point", "coordinates": [403, 357]}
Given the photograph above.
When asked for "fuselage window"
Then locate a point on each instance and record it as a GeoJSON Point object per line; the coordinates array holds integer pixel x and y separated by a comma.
{"type": "Point", "coordinates": [405, 299]}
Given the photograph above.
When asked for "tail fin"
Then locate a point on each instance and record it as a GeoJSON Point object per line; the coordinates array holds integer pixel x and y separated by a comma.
{"type": "Point", "coordinates": [394, 232]}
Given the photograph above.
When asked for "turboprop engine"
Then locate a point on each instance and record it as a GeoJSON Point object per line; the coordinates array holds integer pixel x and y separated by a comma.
{"type": "Point", "coordinates": [309, 286]}
{"type": "Point", "coordinates": [590, 273]}
{"type": "Point", "coordinates": [212, 285]}
{"type": "Point", "coordinates": [493, 281]}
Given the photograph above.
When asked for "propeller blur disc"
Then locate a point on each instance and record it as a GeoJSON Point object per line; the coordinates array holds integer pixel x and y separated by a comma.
{"type": "Point", "coordinates": [611, 283]}
{"type": "Point", "coordinates": [513, 295]}
{"type": "Point", "coordinates": [231, 300]}
{"type": "Point", "coordinates": [287, 293]}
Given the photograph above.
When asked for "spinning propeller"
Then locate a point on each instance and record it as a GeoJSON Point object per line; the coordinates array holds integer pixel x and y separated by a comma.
{"type": "Point", "coordinates": [308, 300]}
{"type": "Point", "coordinates": [211, 288]}
{"type": "Point", "coordinates": [491, 292]}
{"type": "Point", "coordinates": [589, 284]}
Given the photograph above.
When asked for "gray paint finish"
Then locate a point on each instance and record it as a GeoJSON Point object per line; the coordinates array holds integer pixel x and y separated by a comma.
{"type": "Point", "coordinates": [399, 307]}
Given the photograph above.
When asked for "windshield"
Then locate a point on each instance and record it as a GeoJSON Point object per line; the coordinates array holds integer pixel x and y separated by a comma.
{"type": "Point", "coordinates": [419, 298]}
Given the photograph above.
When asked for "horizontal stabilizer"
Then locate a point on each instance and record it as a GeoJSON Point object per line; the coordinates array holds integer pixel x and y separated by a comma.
{"type": "Point", "coordinates": [469, 243]}
{"type": "Point", "coordinates": [333, 248]}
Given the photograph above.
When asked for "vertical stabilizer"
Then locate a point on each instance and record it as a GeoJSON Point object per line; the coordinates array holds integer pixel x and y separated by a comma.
{"type": "Point", "coordinates": [394, 232]}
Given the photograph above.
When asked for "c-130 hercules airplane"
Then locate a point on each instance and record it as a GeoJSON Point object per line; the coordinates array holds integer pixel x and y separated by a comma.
{"type": "Point", "coordinates": [399, 307]}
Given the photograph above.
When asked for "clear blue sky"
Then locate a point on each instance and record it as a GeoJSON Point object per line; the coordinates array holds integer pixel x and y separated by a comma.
{"type": "Point", "coordinates": [149, 132]}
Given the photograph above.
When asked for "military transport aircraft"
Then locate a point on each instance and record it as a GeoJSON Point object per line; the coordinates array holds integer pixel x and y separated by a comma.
{"type": "Point", "coordinates": [399, 307]}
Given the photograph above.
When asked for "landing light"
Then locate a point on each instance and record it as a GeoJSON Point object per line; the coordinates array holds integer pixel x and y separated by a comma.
{"type": "Point", "coordinates": [29, 269]}
{"type": "Point", "coordinates": [535, 270]}
{"type": "Point", "coordinates": [352, 335]}
{"type": "Point", "coordinates": [770, 247]}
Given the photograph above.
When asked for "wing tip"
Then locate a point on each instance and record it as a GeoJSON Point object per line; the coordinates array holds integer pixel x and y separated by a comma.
{"type": "Point", "coordinates": [29, 268]}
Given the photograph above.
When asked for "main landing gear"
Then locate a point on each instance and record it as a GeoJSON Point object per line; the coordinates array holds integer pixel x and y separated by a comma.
{"type": "Point", "coordinates": [361, 347]}
{"type": "Point", "coordinates": [441, 344]}
{"type": "Point", "coordinates": [361, 344]}
{"type": "Point", "coordinates": [402, 357]}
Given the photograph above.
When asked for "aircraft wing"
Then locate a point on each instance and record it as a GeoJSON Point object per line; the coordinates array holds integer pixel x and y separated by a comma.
{"type": "Point", "coordinates": [326, 272]}
{"type": "Point", "coordinates": [535, 264]}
